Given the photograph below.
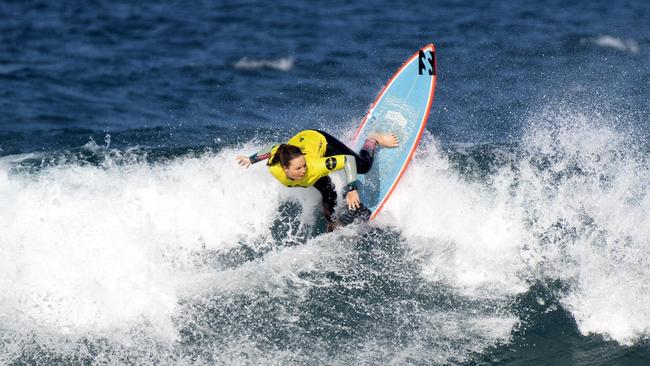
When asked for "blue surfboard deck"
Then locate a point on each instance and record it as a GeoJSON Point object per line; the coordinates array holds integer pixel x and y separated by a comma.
{"type": "Point", "coordinates": [402, 107]}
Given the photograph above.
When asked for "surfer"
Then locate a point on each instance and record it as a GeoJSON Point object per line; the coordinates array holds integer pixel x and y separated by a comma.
{"type": "Point", "coordinates": [308, 158]}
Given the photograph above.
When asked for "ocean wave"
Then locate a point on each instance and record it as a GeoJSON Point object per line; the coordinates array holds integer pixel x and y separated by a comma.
{"type": "Point", "coordinates": [570, 204]}
{"type": "Point", "coordinates": [607, 41]}
{"type": "Point", "coordinates": [281, 64]}
{"type": "Point", "coordinates": [134, 256]}
{"type": "Point", "coordinates": [192, 253]}
{"type": "Point", "coordinates": [586, 198]}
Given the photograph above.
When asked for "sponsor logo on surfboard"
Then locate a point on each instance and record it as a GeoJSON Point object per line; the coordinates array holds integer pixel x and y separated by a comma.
{"type": "Point", "coordinates": [396, 118]}
{"type": "Point", "coordinates": [431, 70]}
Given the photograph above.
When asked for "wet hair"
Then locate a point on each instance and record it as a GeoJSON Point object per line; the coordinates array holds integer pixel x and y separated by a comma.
{"type": "Point", "coordinates": [284, 154]}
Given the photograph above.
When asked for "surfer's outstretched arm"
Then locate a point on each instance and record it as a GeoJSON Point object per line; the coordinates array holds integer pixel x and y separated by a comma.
{"type": "Point", "coordinates": [263, 154]}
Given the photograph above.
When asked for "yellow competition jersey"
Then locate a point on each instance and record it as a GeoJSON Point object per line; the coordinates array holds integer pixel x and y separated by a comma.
{"type": "Point", "coordinates": [313, 145]}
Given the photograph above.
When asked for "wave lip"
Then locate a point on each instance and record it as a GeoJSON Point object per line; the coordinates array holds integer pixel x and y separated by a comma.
{"type": "Point", "coordinates": [281, 64]}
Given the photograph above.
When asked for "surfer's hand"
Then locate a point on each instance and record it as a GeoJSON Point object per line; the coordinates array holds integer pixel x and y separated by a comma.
{"type": "Point", "coordinates": [353, 200]}
{"type": "Point", "coordinates": [243, 161]}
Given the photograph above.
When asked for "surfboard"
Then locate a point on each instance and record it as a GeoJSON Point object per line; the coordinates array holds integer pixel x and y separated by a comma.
{"type": "Point", "coordinates": [402, 107]}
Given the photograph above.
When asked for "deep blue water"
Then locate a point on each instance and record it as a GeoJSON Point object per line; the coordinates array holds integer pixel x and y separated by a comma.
{"type": "Point", "coordinates": [519, 235]}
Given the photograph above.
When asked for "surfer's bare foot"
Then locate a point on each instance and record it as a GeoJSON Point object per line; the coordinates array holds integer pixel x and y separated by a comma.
{"type": "Point", "coordinates": [388, 140]}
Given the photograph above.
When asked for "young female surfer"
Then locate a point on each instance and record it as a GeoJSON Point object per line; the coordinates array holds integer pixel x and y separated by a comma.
{"type": "Point", "coordinates": [308, 158]}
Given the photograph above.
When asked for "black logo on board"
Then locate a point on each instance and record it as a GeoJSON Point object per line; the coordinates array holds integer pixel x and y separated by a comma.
{"type": "Point", "coordinates": [330, 163]}
{"type": "Point", "coordinates": [431, 61]}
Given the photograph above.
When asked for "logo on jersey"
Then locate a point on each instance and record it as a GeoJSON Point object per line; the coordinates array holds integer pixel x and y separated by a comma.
{"type": "Point", "coordinates": [330, 163]}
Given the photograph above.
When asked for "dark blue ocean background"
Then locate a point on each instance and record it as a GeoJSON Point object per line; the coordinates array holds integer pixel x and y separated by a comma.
{"type": "Point", "coordinates": [128, 235]}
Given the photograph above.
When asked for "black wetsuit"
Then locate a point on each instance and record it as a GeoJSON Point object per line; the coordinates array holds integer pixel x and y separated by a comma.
{"type": "Point", "coordinates": [326, 187]}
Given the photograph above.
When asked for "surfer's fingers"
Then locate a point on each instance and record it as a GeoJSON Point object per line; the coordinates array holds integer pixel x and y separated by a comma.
{"type": "Point", "coordinates": [351, 205]}
{"type": "Point", "coordinates": [243, 161]}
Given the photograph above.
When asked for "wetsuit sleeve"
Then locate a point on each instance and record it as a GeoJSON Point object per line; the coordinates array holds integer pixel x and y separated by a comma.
{"type": "Point", "coordinates": [263, 154]}
{"type": "Point", "coordinates": [337, 162]}
{"type": "Point", "coordinates": [351, 172]}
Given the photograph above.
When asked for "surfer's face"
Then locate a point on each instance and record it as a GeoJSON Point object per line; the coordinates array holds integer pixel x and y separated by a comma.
{"type": "Point", "coordinates": [297, 168]}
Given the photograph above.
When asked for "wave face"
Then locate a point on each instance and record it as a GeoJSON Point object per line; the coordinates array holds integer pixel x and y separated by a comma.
{"type": "Point", "coordinates": [109, 257]}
